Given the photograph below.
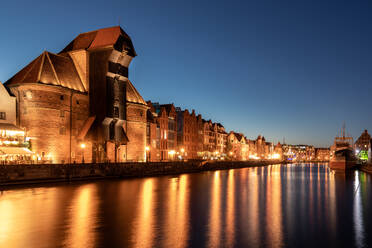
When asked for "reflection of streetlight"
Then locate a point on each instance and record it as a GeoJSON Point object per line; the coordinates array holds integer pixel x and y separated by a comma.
{"type": "Point", "coordinates": [147, 148]}
{"type": "Point", "coordinates": [82, 145]}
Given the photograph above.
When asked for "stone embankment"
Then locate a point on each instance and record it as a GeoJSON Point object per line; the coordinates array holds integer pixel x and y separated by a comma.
{"type": "Point", "coordinates": [366, 168]}
{"type": "Point", "coordinates": [26, 174]}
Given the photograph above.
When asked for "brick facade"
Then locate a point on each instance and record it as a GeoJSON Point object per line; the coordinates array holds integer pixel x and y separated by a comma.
{"type": "Point", "coordinates": [82, 97]}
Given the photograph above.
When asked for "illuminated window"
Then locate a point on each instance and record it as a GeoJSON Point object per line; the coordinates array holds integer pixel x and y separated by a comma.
{"type": "Point", "coordinates": [2, 116]}
{"type": "Point", "coordinates": [27, 94]}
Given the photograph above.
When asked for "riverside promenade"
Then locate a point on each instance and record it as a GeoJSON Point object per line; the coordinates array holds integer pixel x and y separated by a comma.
{"type": "Point", "coordinates": [29, 174]}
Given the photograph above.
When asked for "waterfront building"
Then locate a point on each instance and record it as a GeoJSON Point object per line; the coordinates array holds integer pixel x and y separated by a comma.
{"type": "Point", "coordinates": [214, 140]}
{"type": "Point", "coordinates": [278, 151]}
{"type": "Point", "coordinates": [152, 137]}
{"type": "Point", "coordinates": [237, 146]}
{"type": "Point", "coordinates": [362, 145]}
{"type": "Point", "coordinates": [299, 152]}
{"type": "Point", "coordinates": [269, 150]}
{"type": "Point", "coordinates": [187, 134]}
{"type": "Point", "coordinates": [14, 145]}
{"type": "Point", "coordinates": [322, 154]}
{"type": "Point", "coordinates": [165, 117]}
{"type": "Point", "coordinates": [79, 105]}
{"type": "Point", "coordinates": [221, 139]}
{"type": "Point", "coordinates": [370, 152]}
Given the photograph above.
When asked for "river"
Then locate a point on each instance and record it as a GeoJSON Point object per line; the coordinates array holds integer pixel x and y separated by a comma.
{"type": "Point", "coordinates": [297, 205]}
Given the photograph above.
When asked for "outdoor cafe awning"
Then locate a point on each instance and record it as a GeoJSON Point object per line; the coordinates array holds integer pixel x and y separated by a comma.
{"type": "Point", "coordinates": [14, 151]}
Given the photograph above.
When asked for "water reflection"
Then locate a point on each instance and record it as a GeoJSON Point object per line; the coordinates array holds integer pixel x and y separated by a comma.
{"type": "Point", "coordinates": [280, 205]}
{"type": "Point", "coordinates": [143, 234]}
{"type": "Point", "coordinates": [230, 210]}
{"type": "Point", "coordinates": [274, 207]}
{"type": "Point", "coordinates": [82, 218]}
{"type": "Point", "coordinates": [214, 229]}
{"type": "Point", "coordinates": [177, 220]}
{"type": "Point", "coordinates": [358, 213]}
{"type": "Point", "coordinates": [6, 221]}
{"type": "Point", "coordinates": [251, 206]}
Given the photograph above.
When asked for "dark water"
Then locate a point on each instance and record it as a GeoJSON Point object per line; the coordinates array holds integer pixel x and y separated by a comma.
{"type": "Point", "coordinates": [275, 206]}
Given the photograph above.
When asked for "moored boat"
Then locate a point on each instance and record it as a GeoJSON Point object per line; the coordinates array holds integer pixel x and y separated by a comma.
{"type": "Point", "coordinates": [342, 153]}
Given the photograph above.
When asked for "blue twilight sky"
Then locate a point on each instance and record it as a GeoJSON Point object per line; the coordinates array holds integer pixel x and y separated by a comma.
{"type": "Point", "coordinates": [294, 69]}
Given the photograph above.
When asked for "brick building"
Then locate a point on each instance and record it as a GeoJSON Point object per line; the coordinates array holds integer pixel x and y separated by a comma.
{"type": "Point", "coordinates": [214, 140]}
{"type": "Point", "coordinates": [187, 134]}
{"type": "Point", "coordinates": [237, 146]}
{"type": "Point", "coordinates": [322, 154]}
{"type": "Point", "coordinates": [278, 151]}
{"type": "Point", "coordinates": [165, 118]}
{"type": "Point", "coordinates": [79, 105]}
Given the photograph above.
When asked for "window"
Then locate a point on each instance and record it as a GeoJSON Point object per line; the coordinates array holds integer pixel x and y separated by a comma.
{"type": "Point", "coordinates": [62, 97]}
{"type": "Point", "coordinates": [2, 116]}
{"type": "Point", "coordinates": [77, 102]}
{"type": "Point", "coordinates": [62, 113]}
{"type": "Point", "coordinates": [27, 94]}
{"type": "Point", "coordinates": [116, 112]}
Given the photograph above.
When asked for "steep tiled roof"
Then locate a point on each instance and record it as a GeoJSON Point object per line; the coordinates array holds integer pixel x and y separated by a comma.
{"type": "Point", "coordinates": [50, 69]}
{"type": "Point", "coordinates": [168, 107]}
{"type": "Point", "coordinates": [106, 37]}
{"type": "Point", "coordinates": [239, 136]}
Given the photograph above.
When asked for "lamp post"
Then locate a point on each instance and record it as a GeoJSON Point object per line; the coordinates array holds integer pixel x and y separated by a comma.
{"type": "Point", "coordinates": [182, 153]}
{"type": "Point", "coordinates": [83, 147]}
{"type": "Point", "coordinates": [147, 148]}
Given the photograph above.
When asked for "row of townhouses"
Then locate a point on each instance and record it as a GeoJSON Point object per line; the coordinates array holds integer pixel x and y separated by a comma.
{"type": "Point", "coordinates": [79, 106]}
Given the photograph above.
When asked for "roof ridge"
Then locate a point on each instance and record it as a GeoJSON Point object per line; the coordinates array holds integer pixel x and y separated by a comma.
{"type": "Point", "coordinates": [99, 30]}
{"type": "Point", "coordinates": [136, 92]}
{"type": "Point", "coordinates": [41, 66]}
{"type": "Point", "coordinates": [54, 70]}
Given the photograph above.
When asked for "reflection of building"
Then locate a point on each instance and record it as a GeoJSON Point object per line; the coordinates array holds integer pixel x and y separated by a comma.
{"type": "Point", "coordinates": [79, 104]}
{"type": "Point", "coordinates": [14, 146]}
{"type": "Point", "coordinates": [362, 145]}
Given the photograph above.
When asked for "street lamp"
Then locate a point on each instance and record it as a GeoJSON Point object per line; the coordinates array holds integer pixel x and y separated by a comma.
{"type": "Point", "coordinates": [82, 145]}
{"type": "Point", "coordinates": [147, 148]}
{"type": "Point", "coordinates": [182, 152]}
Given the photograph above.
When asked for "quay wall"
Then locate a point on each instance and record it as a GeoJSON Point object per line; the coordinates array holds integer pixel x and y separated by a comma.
{"type": "Point", "coordinates": [28, 174]}
{"type": "Point", "coordinates": [366, 168]}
